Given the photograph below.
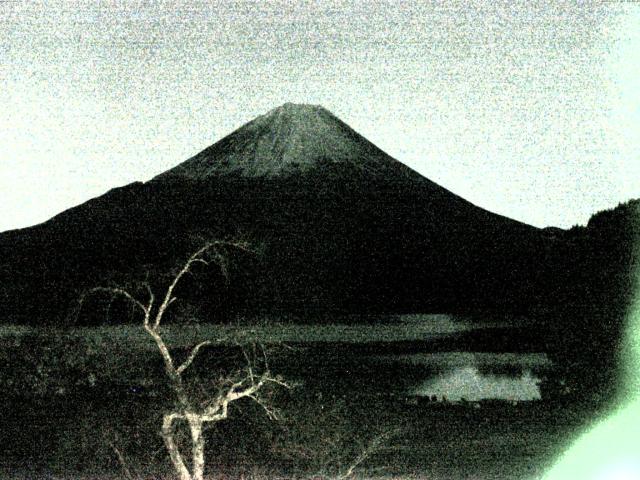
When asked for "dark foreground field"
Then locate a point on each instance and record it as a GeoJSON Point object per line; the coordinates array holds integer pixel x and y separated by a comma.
{"type": "Point", "coordinates": [83, 406]}
{"type": "Point", "coordinates": [76, 438]}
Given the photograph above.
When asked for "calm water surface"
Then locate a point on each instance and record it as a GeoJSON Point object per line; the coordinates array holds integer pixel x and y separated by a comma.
{"type": "Point", "coordinates": [475, 376]}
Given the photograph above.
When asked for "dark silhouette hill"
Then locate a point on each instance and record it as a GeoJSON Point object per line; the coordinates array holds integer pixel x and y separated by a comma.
{"type": "Point", "coordinates": [591, 281]}
{"type": "Point", "coordinates": [338, 226]}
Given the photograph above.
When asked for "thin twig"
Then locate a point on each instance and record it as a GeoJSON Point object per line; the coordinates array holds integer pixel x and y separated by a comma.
{"type": "Point", "coordinates": [121, 461]}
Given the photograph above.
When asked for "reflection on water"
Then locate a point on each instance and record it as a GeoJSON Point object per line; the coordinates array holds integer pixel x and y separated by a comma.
{"type": "Point", "coordinates": [474, 376]}
{"type": "Point", "coordinates": [469, 383]}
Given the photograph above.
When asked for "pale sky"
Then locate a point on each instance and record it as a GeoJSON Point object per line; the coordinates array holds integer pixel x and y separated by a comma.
{"type": "Point", "coordinates": [528, 109]}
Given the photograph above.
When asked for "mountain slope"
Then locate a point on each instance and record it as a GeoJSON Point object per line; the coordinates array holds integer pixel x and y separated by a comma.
{"type": "Point", "coordinates": [339, 226]}
{"type": "Point", "coordinates": [287, 140]}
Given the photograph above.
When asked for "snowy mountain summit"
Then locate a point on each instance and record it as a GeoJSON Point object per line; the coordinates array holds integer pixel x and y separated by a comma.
{"type": "Point", "coordinates": [288, 139]}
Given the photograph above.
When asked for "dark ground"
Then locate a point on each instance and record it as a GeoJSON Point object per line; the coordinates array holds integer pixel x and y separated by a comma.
{"type": "Point", "coordinates": [70, 438]}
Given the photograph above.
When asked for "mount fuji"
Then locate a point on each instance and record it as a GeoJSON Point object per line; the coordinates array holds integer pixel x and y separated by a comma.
{"type": "Point", "coordinates": [337, 224]}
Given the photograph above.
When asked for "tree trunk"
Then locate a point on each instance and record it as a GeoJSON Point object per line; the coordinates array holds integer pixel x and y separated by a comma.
{"type": "Point", "coordinates": [197, 446]}
{"type": "Point", "coordinates": [172, 448]}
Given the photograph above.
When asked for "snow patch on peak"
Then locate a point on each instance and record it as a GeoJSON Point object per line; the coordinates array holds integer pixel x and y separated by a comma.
{"type": "Point", "coordinates": [289, 138]}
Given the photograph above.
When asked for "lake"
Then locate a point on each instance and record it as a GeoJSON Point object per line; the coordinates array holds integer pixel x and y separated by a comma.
{"type": "Point", "coordinates": [401, 354]}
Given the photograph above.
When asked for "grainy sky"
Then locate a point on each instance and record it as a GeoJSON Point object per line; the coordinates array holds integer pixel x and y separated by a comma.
{"type": "Point", "coordinates": [529, 109]}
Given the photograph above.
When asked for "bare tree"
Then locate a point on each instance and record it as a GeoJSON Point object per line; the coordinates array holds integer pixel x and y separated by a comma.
{"type": "Point", "coordinates": [319, 441]}
{"type": "Point", "coordinates": [189, 410]}
{"type": "Point", "coordinates": [375, 445]}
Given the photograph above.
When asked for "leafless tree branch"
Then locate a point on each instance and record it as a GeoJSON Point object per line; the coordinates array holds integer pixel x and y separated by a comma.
{"type": "Point", "coordinates": [116, 291]}
{"type": "Point", "coordinates": [192, 356]}
{"type": "Point", "coordinates": [196, 258]}
{"type": "Point", "coordinates": [121, 460]}
{"type": "Point", "coordinates": [372, 447]}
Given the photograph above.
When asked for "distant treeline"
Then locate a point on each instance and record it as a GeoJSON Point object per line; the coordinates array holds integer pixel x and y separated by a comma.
{"type": "Point", "coordinates": [592, 285]}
